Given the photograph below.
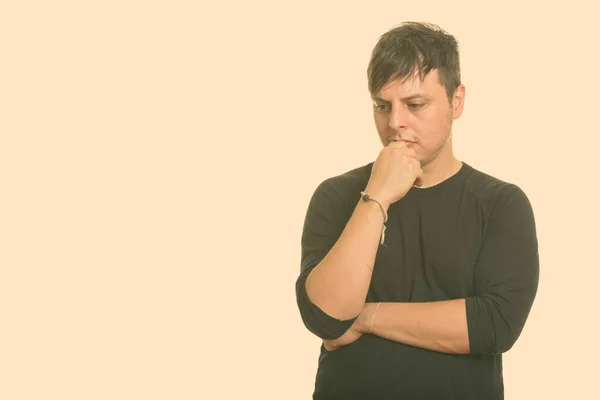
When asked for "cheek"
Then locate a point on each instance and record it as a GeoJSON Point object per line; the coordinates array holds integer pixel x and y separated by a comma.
{"type": "Point", "coordinates": [382, 124]}
{"type": "Point", "coordinates": [435, 124]}
{"type": "Point", "coordinates": [380, 120]}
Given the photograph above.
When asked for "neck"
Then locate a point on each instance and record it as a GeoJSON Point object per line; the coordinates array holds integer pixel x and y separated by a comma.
{"type": "Point", "coordinates": [441, 167]}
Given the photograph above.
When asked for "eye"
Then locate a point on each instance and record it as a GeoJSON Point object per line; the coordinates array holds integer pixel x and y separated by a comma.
{"type": "Point", "coordinates": [380, 107]}
{"type": "Point", "coordinates": [415, 106]}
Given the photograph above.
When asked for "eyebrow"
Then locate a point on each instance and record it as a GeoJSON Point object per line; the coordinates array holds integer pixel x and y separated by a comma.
{"type": "Point", "coordinates": [406, 98]}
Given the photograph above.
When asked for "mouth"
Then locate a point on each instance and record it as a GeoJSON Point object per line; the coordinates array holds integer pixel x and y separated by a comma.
{"type": "Point", "coordinates": [408, 142]}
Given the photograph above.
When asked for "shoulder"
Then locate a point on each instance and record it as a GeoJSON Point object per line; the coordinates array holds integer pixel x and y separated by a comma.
{"type": "Point", "coordinates": [498, 198]}
{"type": "Point", "coordinates": [341, 191]}
{"type": "Point", "coordinates": [492, 191]}
{"type": "Point", "coordinates": [347, 184]}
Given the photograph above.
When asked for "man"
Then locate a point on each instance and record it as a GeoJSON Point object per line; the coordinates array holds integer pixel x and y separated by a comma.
{"type": "Point", "coordinates": [418, 271]}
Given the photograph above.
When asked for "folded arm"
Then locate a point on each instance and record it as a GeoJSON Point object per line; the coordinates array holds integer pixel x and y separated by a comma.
{"type": "Point", "coordinates": [490, 322]}
{"type": "Point", "coordinates": [339, 244]}
{"type": "Point", "coordinates": [438, 326]}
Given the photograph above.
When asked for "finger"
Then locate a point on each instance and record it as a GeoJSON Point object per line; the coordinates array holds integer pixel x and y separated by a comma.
{"type": "Point", "coordinates": [396, 144]}
{"type": "Point", "coordinates": [419, 173]}
{"type": "Point", "coordinates": [401, 146]}
{"type": "Point", "coordinates": [329, 347]}
{"type": "Point", "coordinates": [410, 152]}
{"type": "Point", "coordinates": [416, 164]}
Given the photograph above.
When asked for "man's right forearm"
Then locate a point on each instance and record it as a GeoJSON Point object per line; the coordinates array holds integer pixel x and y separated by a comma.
{"type": "Point", "coordinates": [339, 284]}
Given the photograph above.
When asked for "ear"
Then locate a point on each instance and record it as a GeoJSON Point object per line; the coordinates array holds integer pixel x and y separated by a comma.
{"type": "Point", "coordinates": [458, 101]}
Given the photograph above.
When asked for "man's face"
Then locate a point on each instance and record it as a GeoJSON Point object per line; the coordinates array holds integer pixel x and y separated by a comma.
{"type": "Point", "coordinates": [418, 113]}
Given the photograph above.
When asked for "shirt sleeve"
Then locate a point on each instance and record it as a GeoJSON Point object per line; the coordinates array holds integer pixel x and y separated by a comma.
{"type": "Point", "coordinates": [325, 219]}
{"type": "Point", "coordinates": [506, 275]}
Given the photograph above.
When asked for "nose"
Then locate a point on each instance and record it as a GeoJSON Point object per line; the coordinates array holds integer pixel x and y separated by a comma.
{"type": "Point", "coordinates": [398, 119]}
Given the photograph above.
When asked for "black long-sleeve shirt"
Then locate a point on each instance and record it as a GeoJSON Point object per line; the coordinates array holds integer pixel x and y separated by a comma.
{"type": "Point", "coordinates": [472, 236]}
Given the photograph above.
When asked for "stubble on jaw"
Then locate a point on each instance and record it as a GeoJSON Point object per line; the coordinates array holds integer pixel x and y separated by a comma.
{"type": "Point", "coordinates": [447, 141]}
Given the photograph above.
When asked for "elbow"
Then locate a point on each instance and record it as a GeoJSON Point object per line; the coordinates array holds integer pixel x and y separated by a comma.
{"type": "Point", "coordinates": [317, 321]}
{"type": "Point", "coordinates": [490, 330]}
{"type": "Point", "coordinates": [493, 347]}
{"type": "Point", "coordinates": [327, 332]}
{"type": "Point", "coordinates": [323, 325]}
{"type": "Point", "coordinates": [504, 340]}
{"type": "Point", "coordinates": [497, 340]}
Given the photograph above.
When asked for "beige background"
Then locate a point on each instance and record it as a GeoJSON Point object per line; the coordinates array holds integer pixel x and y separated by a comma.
{"type": "Point", "coordinates": [157, 158]}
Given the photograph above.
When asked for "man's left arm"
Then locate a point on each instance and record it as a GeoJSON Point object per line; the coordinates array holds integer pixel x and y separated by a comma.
{"type": "Point", "coordinates": [506, 280]}
{"type": "Point", "coordinates": [438, 326]}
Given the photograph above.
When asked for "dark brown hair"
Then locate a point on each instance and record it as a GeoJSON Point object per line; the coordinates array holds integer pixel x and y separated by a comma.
{"type": "Point", "coordinates": [414, 47]}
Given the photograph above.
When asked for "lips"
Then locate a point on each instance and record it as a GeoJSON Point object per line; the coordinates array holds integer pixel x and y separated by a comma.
{"type": "Point", "coordinates": [403, 140]}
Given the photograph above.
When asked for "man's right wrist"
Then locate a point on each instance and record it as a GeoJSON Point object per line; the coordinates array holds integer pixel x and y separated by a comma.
{"type": "Point", "coordinates": [376, 202]}
{"type": "Point", "coordinates": [376, 198]}
{"type": "Point", "coordinates": [382, 210]}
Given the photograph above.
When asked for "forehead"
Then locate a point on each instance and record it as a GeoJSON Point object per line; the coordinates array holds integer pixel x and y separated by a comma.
{"type": "Point", "coordinates": [429, 86]}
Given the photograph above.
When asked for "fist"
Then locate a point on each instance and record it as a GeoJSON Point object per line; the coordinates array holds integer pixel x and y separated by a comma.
{"type": "Point", "coordinates": [395, 171]}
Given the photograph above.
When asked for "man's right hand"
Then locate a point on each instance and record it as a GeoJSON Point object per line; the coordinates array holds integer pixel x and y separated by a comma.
{"type": "Point", "coordinates": [395, 171]}
{"type": "Point", "coordinates": [351, 336]}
